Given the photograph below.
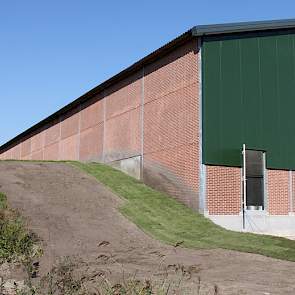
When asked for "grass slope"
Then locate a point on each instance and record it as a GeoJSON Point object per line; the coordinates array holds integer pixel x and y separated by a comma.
{"type": "Point", "coordinates": [169, 221]}
{"type": "Point", "coordinates": [16, 242]}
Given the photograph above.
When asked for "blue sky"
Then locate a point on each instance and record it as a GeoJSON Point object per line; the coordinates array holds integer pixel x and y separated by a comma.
{"type": "Point", "coordinates": [53, 51]}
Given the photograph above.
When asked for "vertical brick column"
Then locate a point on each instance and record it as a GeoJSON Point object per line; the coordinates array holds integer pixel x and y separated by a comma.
{"type": "Point", "coordinates": [122, 119]}
{"type": "Point", "coordinates": [91, 129]}
{"type": "Point", "coordinates": [51, 143]}
{"type": "Point", "coordinates": [69, 135]}
{"type": "Point", "coordinates": [37, 142]}
{"type": "Point", "coordinates": [171, 125]}
{"type": "Point", "coordinates": [26, 149]}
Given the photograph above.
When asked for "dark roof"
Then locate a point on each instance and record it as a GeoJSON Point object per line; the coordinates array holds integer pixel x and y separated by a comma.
{"type": "Point", "coordinates": [197, 31]}
{"type": "Point", "coordinates": [229, 28]}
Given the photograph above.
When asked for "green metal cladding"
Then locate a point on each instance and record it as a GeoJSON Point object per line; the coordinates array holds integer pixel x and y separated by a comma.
{"type": "Point", "coordinates": [249, 97]}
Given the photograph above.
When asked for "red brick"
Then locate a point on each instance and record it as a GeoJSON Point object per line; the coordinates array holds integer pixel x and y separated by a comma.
{"type": "Point", "coordinates": [69, 148]}
{"type": "Point", "coordinates": [37, 142]}
{"type": "Point", "coordinates": [28, 157]}
{"type": "Point", "coordinates": [278, 192]}
{"type": "Point", "coordinates": [124, 96]}
{"type": "Point", "coordinates": [52, 134]}
{"type": "Point", "coordinates": [293, 192]}
{"type": "Point", "coordinates": [174, 71]}
{"type": "Point", "coordinates": [15, 152]}
{"type": "Point", "coordinates": [38, 155]}
{"type": "Point", "coordinates": [123, 114]}
{"type": "Point", "coordinates": [92, 114]}
{"type": "Point", "coordinates": [91, 143]}
{"type": "Point", "coordinates": [223, 190]}
{"type": "Point", "coordinates": [26, 148]}
{"type": "Point", "coordinates": [51, 152]}
{"type": "Point", "coordinates": [122, 136]}
{"type": "Point", "coordinates": [171, 124]}
{"type": "Point", "coordinates": [70, 125]}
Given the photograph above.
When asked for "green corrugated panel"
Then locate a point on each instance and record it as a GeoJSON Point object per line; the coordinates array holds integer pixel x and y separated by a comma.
{"type": "Point", "coordinates": [211, 119]}
{"type": "Point", "coordinates": [230, 99]}
{"type": "Point", "coordinates": [249, 97]}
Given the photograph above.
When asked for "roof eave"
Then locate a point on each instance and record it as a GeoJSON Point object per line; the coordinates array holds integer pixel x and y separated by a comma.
{"type": "Point", "coordinates": [219, 29]}
{"type": "Point", "coordinates": [118, 77]}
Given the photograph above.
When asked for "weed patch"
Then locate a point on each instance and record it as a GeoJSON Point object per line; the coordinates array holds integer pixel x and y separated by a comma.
{"type": "Point", "coordinates": [66, 278]}
{"type": "Point", "coordinates": [3, 201]}
{"type": "Point", "coordinates": [17, 244]}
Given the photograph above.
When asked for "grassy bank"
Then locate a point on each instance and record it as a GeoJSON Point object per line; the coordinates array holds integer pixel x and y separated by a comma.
{"type": "Point", "coordinates": [171, 222]}
{"type": "Point", "coordinates": [17, 244]}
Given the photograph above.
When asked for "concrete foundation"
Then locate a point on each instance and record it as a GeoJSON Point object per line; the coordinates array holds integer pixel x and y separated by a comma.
{"type": "Point", "coordinates": [131, 166]}
{"type": "Point", "coordinates": [258, 222]}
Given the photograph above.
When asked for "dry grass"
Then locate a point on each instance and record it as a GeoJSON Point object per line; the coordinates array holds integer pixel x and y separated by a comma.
{"type": "Point", "coordinates": [17, 243]}
{"type": "Point", "coordinates": [68, 278]}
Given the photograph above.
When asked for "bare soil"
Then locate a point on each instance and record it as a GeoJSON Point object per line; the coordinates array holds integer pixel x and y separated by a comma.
{"type": "Point", "coordinates": [76, 216]}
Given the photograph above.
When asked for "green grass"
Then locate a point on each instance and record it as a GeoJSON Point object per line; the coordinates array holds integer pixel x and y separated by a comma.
{"type": "Point", "coordinates": [3, 201]}
{"type": "Point", "coordinates": [171, 222]}
{"type": "Point", "coordinates": [16, 242]}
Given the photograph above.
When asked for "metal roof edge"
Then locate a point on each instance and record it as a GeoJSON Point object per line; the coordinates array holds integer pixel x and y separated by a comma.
{"type": "Point", "coordinates": [94, 91]}
{"type": "Point", "coordinates": [197, 31]}
{"type": "Point", "coordinates": [228, 28]}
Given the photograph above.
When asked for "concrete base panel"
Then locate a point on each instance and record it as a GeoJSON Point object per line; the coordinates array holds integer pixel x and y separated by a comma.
{"type": "Point", "coordinates": [130, 166]}
{"type": "Point", "coordinates": [258, 222]}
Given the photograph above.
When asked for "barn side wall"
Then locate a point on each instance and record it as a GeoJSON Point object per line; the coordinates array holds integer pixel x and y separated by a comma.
{"type": "Point", "coordinates": [146, 124]}
{"type": "Point", "coordinates": [224, 201]}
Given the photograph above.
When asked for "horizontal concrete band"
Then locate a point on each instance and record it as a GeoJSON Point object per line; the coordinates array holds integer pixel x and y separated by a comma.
{"type": "Point", "coordinates": [258, 222]}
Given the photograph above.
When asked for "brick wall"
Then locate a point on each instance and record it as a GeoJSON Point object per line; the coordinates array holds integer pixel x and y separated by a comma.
{"type": "Point", "coordinates": [292, 205]}
{"type": "Point", "coordinates": [171, 125]}
{"type": "Point", "coordinates": [223, 190]}
{"type": "Point", "coordinates": [278, 192]}
{"type": "Point", "coordinates": [26, 149]}
{"type": "Point", "coordinates": [116, 124]}
{"type": "Point", "coordinates": [122, 114]}
{"type": "Point", "coordinates": [155, 112]}
{"type": "Point", "coordinates": [92, 129]}
{"type": "Point", "coordinates": [82, 134]}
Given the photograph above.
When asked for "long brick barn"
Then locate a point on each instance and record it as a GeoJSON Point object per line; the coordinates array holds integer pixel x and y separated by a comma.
{"type": "Point", "coordinates": [207, 118]}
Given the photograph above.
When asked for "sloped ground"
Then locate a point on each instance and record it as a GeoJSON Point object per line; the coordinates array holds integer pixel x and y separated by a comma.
{"type": "Point", "coordinates": [169, 221]}
{"type": "Point", "coordinates": [77, 216]}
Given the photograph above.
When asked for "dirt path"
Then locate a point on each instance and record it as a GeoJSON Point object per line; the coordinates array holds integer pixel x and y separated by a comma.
{"type": "Point", "coordinates": [73, 214]}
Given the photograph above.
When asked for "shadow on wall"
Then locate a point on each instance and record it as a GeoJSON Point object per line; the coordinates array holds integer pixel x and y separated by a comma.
{"type": "Point", "coordinates": [164, 180]}
{"type": "Point", "coordinates": [159, 178]}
